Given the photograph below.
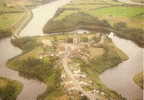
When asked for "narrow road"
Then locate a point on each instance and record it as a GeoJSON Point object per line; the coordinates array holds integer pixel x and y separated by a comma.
{"type": "Point", "coordinates": [70, 74]}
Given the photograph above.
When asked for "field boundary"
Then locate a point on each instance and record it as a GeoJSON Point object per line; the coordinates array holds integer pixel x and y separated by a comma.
{"type": "Point", "coordinates": [23, 22]}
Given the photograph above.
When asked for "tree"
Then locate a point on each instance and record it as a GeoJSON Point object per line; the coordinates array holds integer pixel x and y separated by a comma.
{"type": "Point", "coordinates": [120, 26]}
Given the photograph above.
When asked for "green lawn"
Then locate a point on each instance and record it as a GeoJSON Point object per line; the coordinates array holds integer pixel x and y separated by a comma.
{"type": "Point", "coordinates": [9, 89]}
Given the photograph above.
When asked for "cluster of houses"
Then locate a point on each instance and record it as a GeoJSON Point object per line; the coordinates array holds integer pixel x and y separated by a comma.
{"type": "Point", "coordinates": [81, 77]}
{"type": "Point", "coordinates": [83, 81]}
{"type": "Point", "coordinates": [70, 84]}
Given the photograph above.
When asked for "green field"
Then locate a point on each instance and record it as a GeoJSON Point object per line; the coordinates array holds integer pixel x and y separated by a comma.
{"type": "Point", "coordinates": [9, 89]}
{"type": "Point", "coordinates": [9, 20]}
{"type": "Point", "coordinates": [110, 10]}
{"type": "Point", "coordinates": [138, 79]}
{"type": "Point", "coordinates": [119, 11]}
{"type": "Point", "coordinates": [96, 15]}
{"type": "Point", "coordinates": [10, 17]}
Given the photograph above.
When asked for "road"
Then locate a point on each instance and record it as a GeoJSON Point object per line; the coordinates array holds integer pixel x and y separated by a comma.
{"type": "Point", "coordinates": [73, 79]}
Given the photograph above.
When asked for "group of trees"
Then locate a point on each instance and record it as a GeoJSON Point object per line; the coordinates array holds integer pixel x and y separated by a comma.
{"type": "Point", "coordinates": [26, 43]}
{"type": "Point", "coordinates": [38, 68]}
{"type": "Point", "coordinates": [10, 89]}
{"type": "Point", "coordinates": [76, 21]}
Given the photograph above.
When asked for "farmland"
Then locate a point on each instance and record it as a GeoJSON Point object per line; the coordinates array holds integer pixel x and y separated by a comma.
{"type": "Point", "coordinates": [10, 18]}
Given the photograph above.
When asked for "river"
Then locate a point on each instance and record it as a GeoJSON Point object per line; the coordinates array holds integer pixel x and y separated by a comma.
{"type": "Point", "coordinates": [41, 14]}
{"type": "Point", "coordinates": [120, 78]}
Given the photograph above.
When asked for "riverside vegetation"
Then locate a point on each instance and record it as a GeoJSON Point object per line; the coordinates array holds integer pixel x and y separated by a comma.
{"type": "Point", "coordinates": [138, 79]}
{"type": "Point", "coordinates": [9, 89]}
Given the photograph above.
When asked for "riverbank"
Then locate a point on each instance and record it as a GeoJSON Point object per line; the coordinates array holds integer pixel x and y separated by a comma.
{"type": "Point", "coordinates": [9, 89]}
{"type": "Point", "coordinates": [13, 21]}
{"type": "Point", "coordinates": [120, 82]}
{"type": "Point", "coordinates": [138, 79]}
{"type": "Point", "coordinates": [40, 60]}
{"type": "Point", "coordinates": [42, 14]}
{"type": "Point", "coordinates": [100, 16]}
{"type": "Point", "coordinates": [31, 88]}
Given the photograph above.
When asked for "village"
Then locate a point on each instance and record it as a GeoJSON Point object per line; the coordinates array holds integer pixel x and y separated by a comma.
{"type": "Point", "coordinates": [73, 79]}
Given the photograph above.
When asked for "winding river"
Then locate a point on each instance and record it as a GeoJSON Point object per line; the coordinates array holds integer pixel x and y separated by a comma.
{"type": "Point", "coordinates": [120, 78]}
{"type": "Point", "coordinates": [41, 15]}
